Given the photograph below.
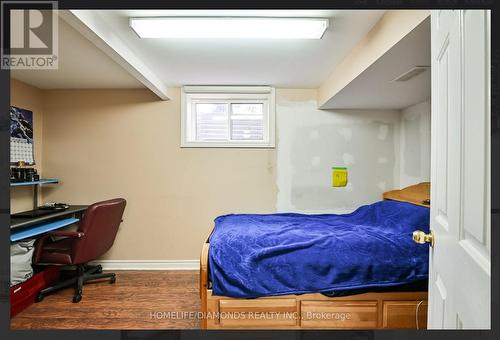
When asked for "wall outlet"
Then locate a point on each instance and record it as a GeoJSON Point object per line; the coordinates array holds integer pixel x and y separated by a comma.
{"type": "Point", "coordinates": [339, 177]}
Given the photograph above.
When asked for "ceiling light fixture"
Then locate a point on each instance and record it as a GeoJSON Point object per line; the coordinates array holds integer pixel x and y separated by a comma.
{"type": "Point", "coordinates": [229, 27]}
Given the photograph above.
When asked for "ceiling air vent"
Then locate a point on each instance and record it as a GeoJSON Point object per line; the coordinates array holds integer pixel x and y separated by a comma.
{"type": "Point", "coordinates": [411, 73]}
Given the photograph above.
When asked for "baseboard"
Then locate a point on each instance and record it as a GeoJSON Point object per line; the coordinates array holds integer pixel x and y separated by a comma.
{"type": "Point", "coordinates": [149, 264]}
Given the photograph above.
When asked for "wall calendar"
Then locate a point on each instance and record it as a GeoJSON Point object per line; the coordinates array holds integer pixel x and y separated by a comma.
{"type": "Point", "coordinates": [21, 136]}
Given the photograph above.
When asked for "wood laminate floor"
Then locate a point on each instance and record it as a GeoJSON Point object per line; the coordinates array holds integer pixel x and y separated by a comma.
{"type": "Point", "coordinates": [138, 300]}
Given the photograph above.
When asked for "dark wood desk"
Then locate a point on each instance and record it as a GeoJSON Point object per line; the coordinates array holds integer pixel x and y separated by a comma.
{"type": "Point", "coordinates": [22, 222]}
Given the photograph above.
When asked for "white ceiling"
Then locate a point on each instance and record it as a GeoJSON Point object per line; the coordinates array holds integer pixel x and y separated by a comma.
{"type": "Point", "coordinates": [374, 88]}
{"type": "Point", "coordinates": [81, 65]}
{"type": "Point", "coordinates": [177, 62]}
{"type": "Point", "coordinates": [280, 63]}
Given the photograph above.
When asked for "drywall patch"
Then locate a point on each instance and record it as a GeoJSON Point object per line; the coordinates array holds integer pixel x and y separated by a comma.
{"type": "Point", "coordinates": [383, 131]}
{"type": "Point", "coordinates": [346, 133]}
{"type": "Point", "coordinates": [415, 142]}
{"type": "Point", "coordinates": [411, 145]}
{"type": "Point", "coordinates": [314, 134]}
{"type": "Point", "coordinates": [348, 159]}
{"type": "Point", "coordinates": [382, 186]}
{"type": "Point", "coordinates": [303, 166]}
{"type": "Point", "coordinates": [311, 188]}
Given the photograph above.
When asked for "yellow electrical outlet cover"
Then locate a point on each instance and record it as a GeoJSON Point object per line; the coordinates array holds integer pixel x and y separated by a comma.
{"type": "Point", "coordinates": [339, 177]}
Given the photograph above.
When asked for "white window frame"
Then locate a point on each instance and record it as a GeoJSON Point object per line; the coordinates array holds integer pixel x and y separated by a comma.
{"type": "Point", "coordinates": [190, 95]}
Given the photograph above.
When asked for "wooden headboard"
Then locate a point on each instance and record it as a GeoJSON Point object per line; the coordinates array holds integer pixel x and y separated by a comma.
{"type": "Point", "coordinates": [418, 194]}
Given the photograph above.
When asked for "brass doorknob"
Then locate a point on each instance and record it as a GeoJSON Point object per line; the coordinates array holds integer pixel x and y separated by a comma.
{"type": "Point", "coordinates": [420, 237]}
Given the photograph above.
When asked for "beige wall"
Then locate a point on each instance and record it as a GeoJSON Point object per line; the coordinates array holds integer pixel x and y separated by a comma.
{"type": "Point", "coordinates": [27, 97]}
{"type": "Point", "coordinates": [111, 143]}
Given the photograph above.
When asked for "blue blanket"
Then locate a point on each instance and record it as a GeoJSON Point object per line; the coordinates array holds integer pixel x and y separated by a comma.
{"type": "Point", "coordinates": [262, 255]}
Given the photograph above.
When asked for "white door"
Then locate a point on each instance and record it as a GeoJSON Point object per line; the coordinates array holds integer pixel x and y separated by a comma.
{"type": "Point", "coordinates": [459, 272]}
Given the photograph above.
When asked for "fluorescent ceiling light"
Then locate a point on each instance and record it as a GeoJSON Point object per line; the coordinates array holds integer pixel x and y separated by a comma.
{"type": "Point", "coordinates": [234, 27]}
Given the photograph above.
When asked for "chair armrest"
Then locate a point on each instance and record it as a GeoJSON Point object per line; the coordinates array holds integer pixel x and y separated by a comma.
{"type": "Point", "coordinates": [67, 233]}
{"type": "Point", "coordinates": [41, 241]}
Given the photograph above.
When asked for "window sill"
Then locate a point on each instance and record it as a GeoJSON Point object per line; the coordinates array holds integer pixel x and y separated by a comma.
{"type": "Point", "coordinates": [227, 145]}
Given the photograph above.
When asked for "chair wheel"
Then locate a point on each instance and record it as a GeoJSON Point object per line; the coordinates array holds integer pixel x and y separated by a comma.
{"type": "Point", "coordinates": [77, 298]}
{"type": "Point", "coordinates": [99, 269]}
{"type": "Point", "coordinates": [112, 279]}
{"type": "Point", "coordinates": [39, 297]}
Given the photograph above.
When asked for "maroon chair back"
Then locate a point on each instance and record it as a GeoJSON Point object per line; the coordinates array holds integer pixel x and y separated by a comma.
{"type": "Point", "coordinates": [100, 224]}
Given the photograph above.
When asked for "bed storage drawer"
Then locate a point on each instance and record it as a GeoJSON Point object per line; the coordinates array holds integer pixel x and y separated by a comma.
{"type": "Point", "coordinates": [265, 313]}
{"type": "Point", "coordinates": [338, 314]}
{"type": "Point", "coordinates": [403, 314]}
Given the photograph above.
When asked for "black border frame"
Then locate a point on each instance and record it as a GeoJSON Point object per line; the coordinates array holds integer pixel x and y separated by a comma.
{"type": "Point", "coordinates": [5, 331]}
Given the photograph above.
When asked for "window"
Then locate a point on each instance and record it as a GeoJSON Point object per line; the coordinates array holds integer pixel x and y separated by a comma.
{"type": "Point", "coordinates": [227, 116]}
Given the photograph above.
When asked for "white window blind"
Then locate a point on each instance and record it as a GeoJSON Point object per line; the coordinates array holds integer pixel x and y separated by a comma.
{"type": "Point", "coordinates": [247, 121]}
{"type": "Point", "coordinates": [211, 121]}
{"type": "Point", "coordinates": [228, 117]}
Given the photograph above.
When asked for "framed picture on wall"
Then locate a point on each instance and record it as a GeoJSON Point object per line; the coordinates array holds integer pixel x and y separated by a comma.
{"type": "Point", "coordinates": [21, 136]}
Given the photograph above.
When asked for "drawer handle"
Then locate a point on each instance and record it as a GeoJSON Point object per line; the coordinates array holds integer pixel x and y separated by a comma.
{"type": "Point", "coordinates": [416, 313]}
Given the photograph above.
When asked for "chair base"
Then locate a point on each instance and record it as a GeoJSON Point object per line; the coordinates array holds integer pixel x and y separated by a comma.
{"type": "Point", "coordinates": [85, 273]}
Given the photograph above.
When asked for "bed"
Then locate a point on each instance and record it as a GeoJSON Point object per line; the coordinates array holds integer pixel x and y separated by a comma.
{"type": "Point", "coordinates": [292, 271]}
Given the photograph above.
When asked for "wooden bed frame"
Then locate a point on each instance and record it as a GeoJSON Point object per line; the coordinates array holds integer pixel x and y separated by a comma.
{"type": "Point", "coordinates": [387, 310]}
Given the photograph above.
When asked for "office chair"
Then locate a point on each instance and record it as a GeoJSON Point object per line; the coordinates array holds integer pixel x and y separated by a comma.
{"type": "Point", "coordinates": [94, 237]}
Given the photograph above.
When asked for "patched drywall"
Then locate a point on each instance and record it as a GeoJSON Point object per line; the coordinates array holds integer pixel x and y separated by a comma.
{"type": "Point", "coordinates": [311, 141]}
{"type": "Point", "coordinates": [415, 132]}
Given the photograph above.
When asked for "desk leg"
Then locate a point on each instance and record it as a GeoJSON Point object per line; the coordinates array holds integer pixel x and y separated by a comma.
{"type": "Point", "coordinates": [35, 197]}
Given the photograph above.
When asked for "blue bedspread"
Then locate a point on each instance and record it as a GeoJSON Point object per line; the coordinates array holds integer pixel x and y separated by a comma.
{"type": "Point", "coordinates": [277, 254]}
